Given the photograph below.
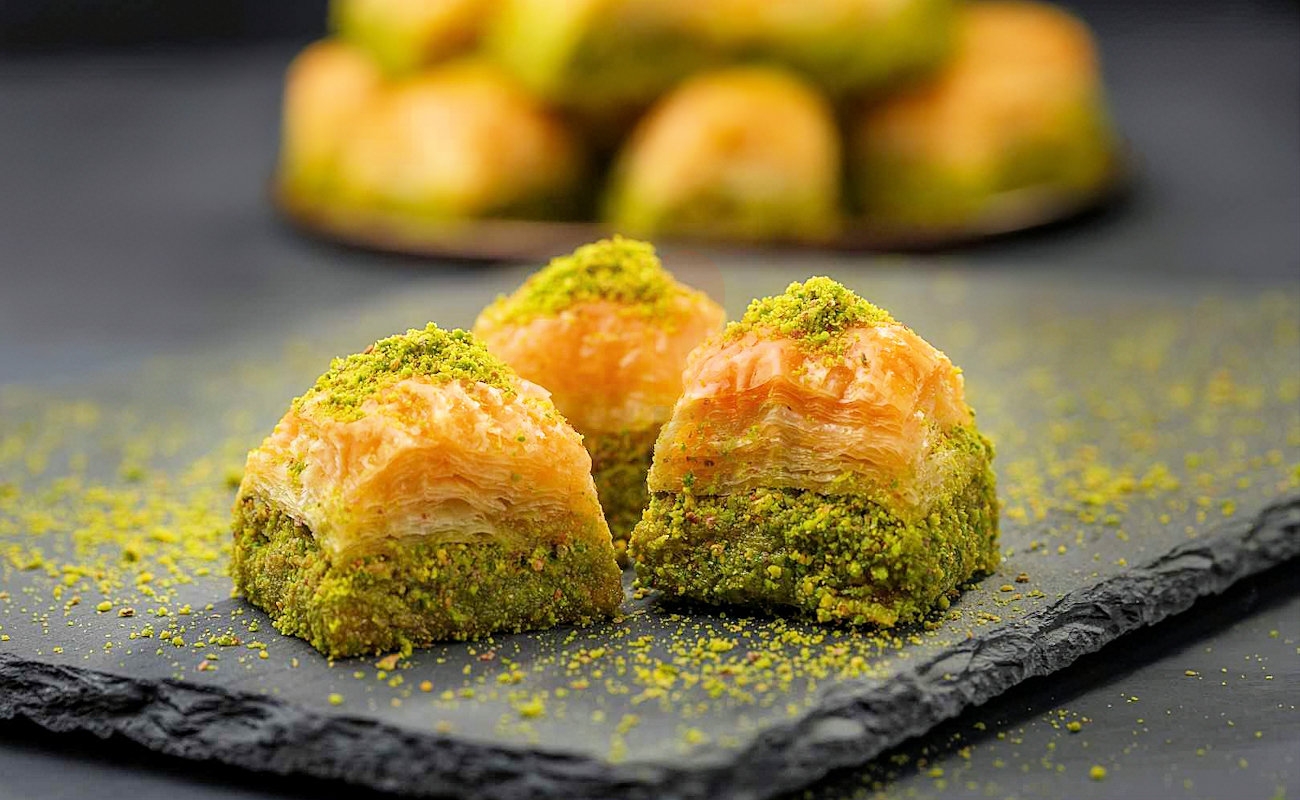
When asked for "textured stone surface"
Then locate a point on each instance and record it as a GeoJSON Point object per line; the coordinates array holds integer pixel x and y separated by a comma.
{"type": "Point", "coordinates": [1147, 443]}
{"type": "Point", "coordinates": [848, 725]}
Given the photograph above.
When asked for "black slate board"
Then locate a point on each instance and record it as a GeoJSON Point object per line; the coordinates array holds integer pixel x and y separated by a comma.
{"type": "Point", "coordinates": [1084, 388]}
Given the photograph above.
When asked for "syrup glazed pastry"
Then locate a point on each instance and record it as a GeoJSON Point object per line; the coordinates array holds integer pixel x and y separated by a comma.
{"type": "Point", "coordinates": [1020, 107]}
{"type": "Point", "coordinates": [404, 35]}
{"type": "Point", "coordinates": [421, 491]}
{"type": "Point", "coordinates": [326, 90]}
{"type": "Point", "coordinates": [822, 458]}
{"type": "Point", "coordinates": [848, 47]}
{"type": "Point", "coordinates": [606, 330]}
{"type": "Point", "coordinates": [746, 153]}
{"type": "Point", "coordinates": [460, 140]}
{"type": "Point", "coordinates": [602, 61]}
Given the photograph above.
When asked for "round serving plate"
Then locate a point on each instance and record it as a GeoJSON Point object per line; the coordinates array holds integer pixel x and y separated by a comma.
{"type": "Point", "coordinates": [536, 240]}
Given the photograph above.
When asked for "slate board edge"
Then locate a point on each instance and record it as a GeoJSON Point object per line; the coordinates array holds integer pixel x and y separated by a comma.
{"type": "Point", "coordinates": [851, 723]}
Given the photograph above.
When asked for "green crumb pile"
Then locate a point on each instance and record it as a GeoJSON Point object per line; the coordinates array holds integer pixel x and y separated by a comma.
{"type": "Point", "coordinates": [412, 594]}
{"type": "Point", "coordinates": [834, 558]}
{"type": "Point", "coordinates": [432, 353]}
{"type": "Point", "coordinates": [815, 312]}
{"type": "Point", "coordinates": [620, 270]}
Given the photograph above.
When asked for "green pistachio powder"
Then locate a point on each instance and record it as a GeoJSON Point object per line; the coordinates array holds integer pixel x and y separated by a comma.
{"type": "Point", "coordinates": [405, 594]}
{"type": "Point", "coordinates": [844, 558]}
{"type": "Point", "coordinates": [847, 557]}
{"type": "Point", "coordinates": [618, 270]}
{"type": "Point", "coordinates": [817, 313]}
{"type": "Point", "coordinates": [433, 353]}
{"type": "Point", "coordinates": [619, 463]}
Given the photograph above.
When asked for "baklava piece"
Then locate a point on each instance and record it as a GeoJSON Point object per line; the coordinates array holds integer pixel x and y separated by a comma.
{"type": "Point", "coordinates": [606, 330]}
{"type": "Point", "coordinates": [848, 47]}
{"type": "Point", "coordinates": [1018, 113]}
{"type": "Point", "coordinates": [822, 459]}
{"type": "Point", "coordinates": [461, 141]}
{"type": "Point", "coordinates": [326, 91]}
{"type": "Point", "coordinates": [748, 154]}
{"type": "Point", "coordinates": [421, 491]}
{"type": "Point", "coordinates": [604, 61]}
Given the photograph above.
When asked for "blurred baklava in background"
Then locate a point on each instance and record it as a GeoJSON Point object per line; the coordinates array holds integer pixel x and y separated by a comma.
{"type": "Point", "coordinates": [785, 121]}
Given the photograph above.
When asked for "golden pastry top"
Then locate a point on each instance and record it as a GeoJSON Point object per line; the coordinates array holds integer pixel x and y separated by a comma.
{"type": "Point", "coordinates": [606, 331]}
{"type": "Point", "coordinates": [404, 35]}
{"type": "Point", "coordinates": [462, 138]}
{"type": "Point", "coordinates": [760, 128]}
{"type": "Point", "coordinates": [426, 435]}
{"type": "Point", "coordinates": [816, 389]}
{"type": "Point", "coordinates": [327, 89]}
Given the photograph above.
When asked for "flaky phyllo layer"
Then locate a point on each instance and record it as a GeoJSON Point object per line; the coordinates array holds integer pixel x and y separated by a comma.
{"type": "Point", "coordinates": [818, 390]}
{"type": "Point", "coordinates": [427, 437]}
{"type": "Point", "coordinates": [606, 330]}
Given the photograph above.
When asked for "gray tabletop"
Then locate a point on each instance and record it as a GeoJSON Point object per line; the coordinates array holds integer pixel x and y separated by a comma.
{"type": "Point", "coordinates": [133, 223]}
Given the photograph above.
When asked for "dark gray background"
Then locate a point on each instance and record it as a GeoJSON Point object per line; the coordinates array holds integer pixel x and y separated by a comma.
{"type": "Point", "coordinates": [133, 222]}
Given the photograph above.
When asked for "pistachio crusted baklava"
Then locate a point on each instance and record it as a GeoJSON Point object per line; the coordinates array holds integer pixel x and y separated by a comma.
{"type": "Point", "coordinates": [327, 89]}
{"type": "Point", "coordinates": [822, 458]}
{"type": "Point", "coordinates": [421, 491]}
{"type": "Point", "coordinates": [849, 47]}
{"type": "Point", "coordinates": [744, 153]}
{"type": "Point", "coordinates": [1019, 111]}
{"type": "Point", "coordinates": [459, 140]}
{"type": "Point", "coordinates": [606, 330]}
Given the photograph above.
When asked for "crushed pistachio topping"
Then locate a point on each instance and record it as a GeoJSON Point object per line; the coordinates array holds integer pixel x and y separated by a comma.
{"type": "Point", "coordinates": [415, 593]}
{"type": "Point", "coordinates": [433, 353]}
{"type": "Point", "coordinates": [835, 558]}
{"type": "Point", "coordinates": [816, 312]}
{"type": "Point", "coordinates": [619, 270]}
